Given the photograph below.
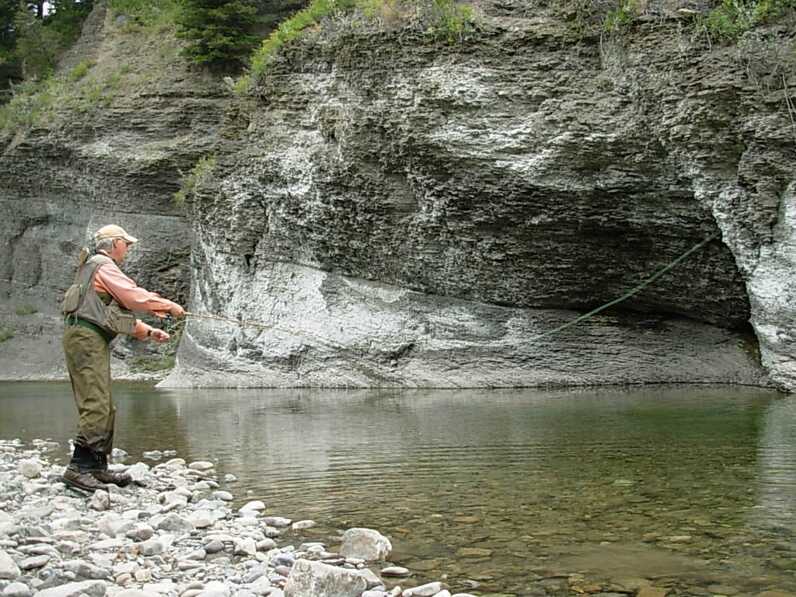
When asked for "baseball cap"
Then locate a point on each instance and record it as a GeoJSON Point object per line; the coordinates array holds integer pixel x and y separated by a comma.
{"type": "Point", "coordinates": [114, 231]}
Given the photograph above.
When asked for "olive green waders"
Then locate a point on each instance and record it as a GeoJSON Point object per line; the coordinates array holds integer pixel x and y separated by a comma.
{"type": "Point", "coordinates": [88, 359]}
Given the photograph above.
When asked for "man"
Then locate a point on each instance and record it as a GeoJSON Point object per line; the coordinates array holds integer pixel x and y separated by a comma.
{"type": "Point", "coordinates": [97, 308]}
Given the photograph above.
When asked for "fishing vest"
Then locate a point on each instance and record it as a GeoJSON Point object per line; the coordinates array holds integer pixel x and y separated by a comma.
{"type": "Point", "coordinates": [82, 301]}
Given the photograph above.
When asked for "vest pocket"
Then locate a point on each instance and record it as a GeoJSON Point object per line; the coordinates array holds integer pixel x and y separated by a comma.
{"type": "Point", "coordinates": [71, 299]}
{"type": "Point", "coordinates": [119, 320]}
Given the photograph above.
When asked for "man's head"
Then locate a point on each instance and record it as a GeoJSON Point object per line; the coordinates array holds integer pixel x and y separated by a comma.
{"type": "Point", "coordinates": [114, 241]}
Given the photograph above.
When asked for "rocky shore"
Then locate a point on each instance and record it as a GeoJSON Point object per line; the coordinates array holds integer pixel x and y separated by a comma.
{"type": "Point", "coordinates": [174, 533]}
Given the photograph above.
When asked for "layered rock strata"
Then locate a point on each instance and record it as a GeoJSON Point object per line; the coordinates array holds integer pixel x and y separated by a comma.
{"type": "Point", "coordinates": [403, 211]}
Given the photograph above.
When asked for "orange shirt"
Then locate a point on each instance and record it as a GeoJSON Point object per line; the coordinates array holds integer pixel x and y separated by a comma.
{"type": "Point", "coordinates": [111, 280]}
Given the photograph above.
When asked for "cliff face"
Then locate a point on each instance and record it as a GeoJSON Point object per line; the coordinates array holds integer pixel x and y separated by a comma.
{"type": "Point", "coordinates": [107, 149]}
{"type": "Point", "coordinates": [397, 210]}
{"type": "Point", "coordinates": [404, 211]}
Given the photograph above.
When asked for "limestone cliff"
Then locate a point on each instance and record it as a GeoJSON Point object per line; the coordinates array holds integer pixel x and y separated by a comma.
{"type": "Point", "coordinates": [400, 210]}
{"type": "Point", "coordinates": [410, 212]}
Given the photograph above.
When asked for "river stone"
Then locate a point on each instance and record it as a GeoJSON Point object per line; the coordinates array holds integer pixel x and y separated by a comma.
{"type": "Point", "coordinates": [201, 465]}
{"type": "Point", "coordinates": [175, 524]}
{"type": "Point", "coordinates": [8, 568]}
{"type": "Point", "coordinates": [278, 522]}
{"type": "Point", "coordinates": [202, 519]}
{"type": "Point", "coordinates": [427, 590]}
{"type": "Point", "coordinates": [473, 552]}
{"type": "Point", "coordinates": [138, 472]}
{"type": "Point", "coordinates": [100, 501]}
{"type": "Point", "coordinates": [252, 506]}
{"type": "Point", "coordinates": [261, 586]}
{"type": "Point", "coordinates": [6, 522]}
{"type": "Point", "coordinates": [365, 544]}
{"type": "Point", "coordinates": [394, 571]}
{"type": "Point", "coordinates": [113, 524]}
{"type": "Point", "coordinates": [140, 532]}
{"type": "Point", "coordinates": [652, 592]}
{"type": "Point", "coordinates": [315, 579]}
{"type": "Point", "coordinates": [29, 468]}
{"type": "Point", "coordinates": [34, 562]}
{"type": "Point", "coordinates": [266, 544]}
{"type": "Point", "coordinates": [92, 588]}
{"type": "Point", "coordinates": [135, 593]}
{"type": "Point", "coordinates": [17, 589]}
{"type": "Point", "coordinates": [370, 578]}
{"type": "Point", "coordinates": [302, 524]}
{"type": "Point", "coordinates": [153, 547]}
{"type": "Point", "coordinates": [245, 547]}
{"type": "Point", "coordinates": [83, 569]}
{"type": "Point", "coordinates": [224, 496]}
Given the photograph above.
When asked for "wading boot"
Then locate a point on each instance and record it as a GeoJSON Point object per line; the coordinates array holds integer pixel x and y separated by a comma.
{"type": "Point", "coordinates": [78, 473]}
{"type": "Point", "coordinates": [103, 475]}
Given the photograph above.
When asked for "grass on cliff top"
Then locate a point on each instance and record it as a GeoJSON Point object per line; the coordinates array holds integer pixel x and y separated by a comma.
{"type": "Point", "coordinates": [726, 21]}
{"type": "Point", "coordinates": [36, 102]}
{"type": "Point", "coordinates": [731, 18]}
{"type": "Point", "coordinates": [441, 18]}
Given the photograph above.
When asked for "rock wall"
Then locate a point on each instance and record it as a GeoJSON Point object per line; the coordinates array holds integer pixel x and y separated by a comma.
{"type": "Point", "coordinates": [403, 211]}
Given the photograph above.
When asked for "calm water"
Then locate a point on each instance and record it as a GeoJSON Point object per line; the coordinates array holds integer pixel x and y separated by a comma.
{"type": "Point", "coordinates": [694, 487]}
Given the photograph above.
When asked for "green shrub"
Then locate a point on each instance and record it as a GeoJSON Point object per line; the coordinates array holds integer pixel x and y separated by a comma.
{"type": "Point", "coordinates": [622, 16]}
{"type": "Point", "coordinates": [218, 32]}
{"type": "Point", "coordinates": [29, 102]}
{"type": "Point", "coordinates": [80, 70]}
{"type": "Point", "coordinates": [22, 310]}
{"type": "Point", "coordinates": [731, 18]}
{"type": "Point", "coordinates": [450, 20]}
{"type": "Point", "coordinates": [6, 333]}
{"type": "Point", "coordinates": [198, 175]}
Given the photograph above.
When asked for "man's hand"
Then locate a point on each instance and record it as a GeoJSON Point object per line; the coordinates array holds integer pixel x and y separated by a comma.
{"type": "Point", "coordinates": [176, 310]}
{"type": "Point", "coordinates": [158, 335]}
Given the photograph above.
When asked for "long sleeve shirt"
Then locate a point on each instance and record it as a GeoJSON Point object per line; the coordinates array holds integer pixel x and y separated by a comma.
{"type": "Point", "coordinates": [111, 280]}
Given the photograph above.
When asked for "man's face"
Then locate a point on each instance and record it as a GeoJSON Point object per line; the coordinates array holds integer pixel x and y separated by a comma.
{"type": "Point", "coordinates": [119, 250]}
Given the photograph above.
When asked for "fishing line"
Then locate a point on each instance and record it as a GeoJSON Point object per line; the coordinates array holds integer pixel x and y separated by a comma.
{"type": "Point", "coordinates": [633, 291]}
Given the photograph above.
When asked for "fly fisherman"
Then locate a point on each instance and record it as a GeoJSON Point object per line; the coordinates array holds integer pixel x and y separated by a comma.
{"type": "Point", "coordinates": [98, 307]}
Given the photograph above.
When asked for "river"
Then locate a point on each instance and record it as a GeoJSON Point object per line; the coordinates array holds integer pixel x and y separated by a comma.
{"type": "Point", "coordinates": [692, 487]}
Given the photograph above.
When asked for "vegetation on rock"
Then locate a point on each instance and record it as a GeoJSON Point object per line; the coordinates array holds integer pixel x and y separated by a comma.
{"type": "Point", "coordinates": [6, 333]}
{"type": "Point", "coordinates": [200, 173]}
{"type": "Point", "coordinates": [440, 18]}
{"type": "Point", "coordinates": [731, 18]}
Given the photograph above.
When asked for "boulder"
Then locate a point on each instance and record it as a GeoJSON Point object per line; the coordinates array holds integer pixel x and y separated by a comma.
{"type": "Point", "coordinates": [316, 579]}
{"type": "Point", "coordinates": [365, 544]}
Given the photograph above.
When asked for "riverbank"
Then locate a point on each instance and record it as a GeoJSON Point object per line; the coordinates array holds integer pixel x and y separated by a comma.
{"type": "Point", "coordinates": [174, 532]}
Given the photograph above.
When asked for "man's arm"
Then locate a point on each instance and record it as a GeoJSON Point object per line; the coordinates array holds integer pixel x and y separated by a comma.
{"type": "Point", "coordinates": [110, 279]}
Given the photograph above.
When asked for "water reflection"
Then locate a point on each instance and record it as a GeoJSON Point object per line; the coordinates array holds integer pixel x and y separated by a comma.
{"type": "Point", "coordinates": [776, 489]}
{"type": "Point", "coordinates": [690, 484]}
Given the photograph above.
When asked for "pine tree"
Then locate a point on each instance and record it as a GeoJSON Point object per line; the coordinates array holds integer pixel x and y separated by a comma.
{"type": "Point", "coordinates": [219, 32]}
